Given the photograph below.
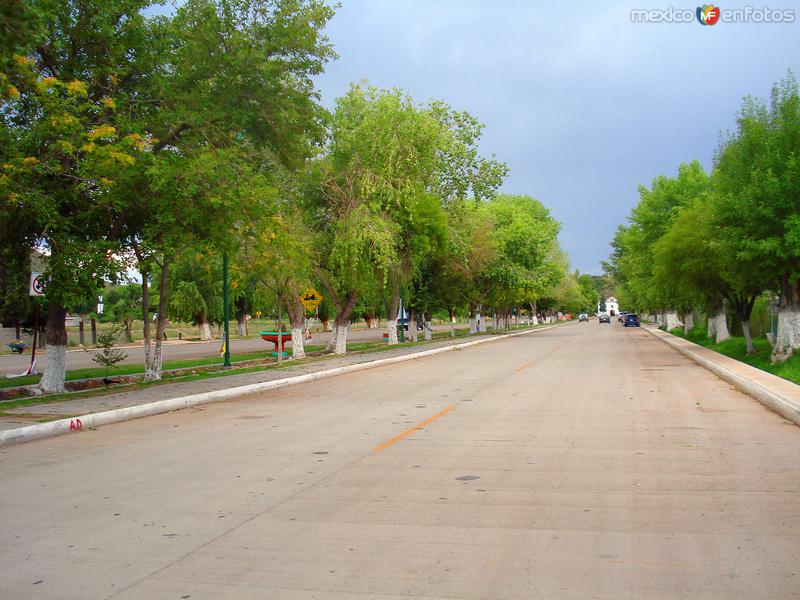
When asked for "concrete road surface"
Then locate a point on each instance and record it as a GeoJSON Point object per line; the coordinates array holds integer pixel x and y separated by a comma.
{"type": "Point", "coordinates": [588, 461]}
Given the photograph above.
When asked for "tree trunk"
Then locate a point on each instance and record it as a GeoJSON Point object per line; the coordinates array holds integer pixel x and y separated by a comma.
{"type": "Point", "coordinates": [82, 331]}
{"type": "Point", "coordinates": [672, 320]}
{"type": "Point", "coordinates": [203, 327]}
{"type": "Point", "coordinates": [688, 322]}
{"type": "Point", "coordinates": [451, 313]}
{"type": "Point", "coordinates": [55, 372]}
{"type": "Point", "coordinates": [394, 307]}
{"type": "Point", "coordinates": [748, 338]}
{"type": "Point", "coordinates": [412, 325]}
{"type": "Point", "coordinates": [153, 354]}
{"type": "Point", "coordinates": [427, 328]}
{"type": "Point", "coordinates": [338, 341]}
{"type": "Point", "coordinates": [297, 319]}
{"type": "Point", "coordinates": [718, 325]}
{"type": "Point", "coordinates": [94, 331]}
{"type": "Point", "coordinates": [787, 339]}
{"type": "Point", "coordinates": [128, 333]}
{"type": "Point", "coordinates": [241, 323]}
{"type": "Point", "coordinates": [473, 322]}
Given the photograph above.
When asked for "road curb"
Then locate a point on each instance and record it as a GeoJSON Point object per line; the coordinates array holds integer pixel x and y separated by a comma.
{"type": "Point", "coordinates": [92, 420]}
{"type": "Point", "coordinates": [784, 406]}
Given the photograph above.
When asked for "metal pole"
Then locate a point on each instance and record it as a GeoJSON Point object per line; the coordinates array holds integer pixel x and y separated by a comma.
{"type": "Point", "coordinates": [227, 361]}
{"type": "Point", "coordinates": [280, 333]}
{"type": "Point", "coordinates": [35, 335]}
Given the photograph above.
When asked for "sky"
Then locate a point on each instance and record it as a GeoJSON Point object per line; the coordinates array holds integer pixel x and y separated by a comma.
{"type": "Point", "coordinates": [583, 104]}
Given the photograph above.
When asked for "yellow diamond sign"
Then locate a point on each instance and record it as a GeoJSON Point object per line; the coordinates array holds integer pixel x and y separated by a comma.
{"type": "Point", "coordinates": [310, 299]}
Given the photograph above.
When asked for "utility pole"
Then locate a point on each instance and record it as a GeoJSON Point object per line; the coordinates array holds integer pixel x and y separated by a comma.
{"type": "Point", "coordinates": [227, 361]}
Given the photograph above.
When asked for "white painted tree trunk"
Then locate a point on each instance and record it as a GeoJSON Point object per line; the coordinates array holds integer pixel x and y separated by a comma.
{"type": "Point", "coordinates": [242, 328]}
{"type": "Point", "coordinates": [391, 329]}
{"type": "Point", "coordinates": [52, 381]}
{"type": "Point", "coordinates": [672, 320]}
{"type": "Point", "coordinates": [748, 338]}
{"type": "Point", "coordinates": [787, 339]}
{"type": "Point", "coordinates": [298, 349]}
{"type": "Point", "coordinates": [483, 325]}
{"type": "Point", "coordinates": [718, 327]}
{"type": "Point", "coordinates": [205, 330]}
{"type": "Point", "coordinates": [688, 324]}
{"type": "Point", "coordinates": [153, 358]}
{"type": "Point", "coordinates": [534, 320]}
{"type": "Point", "coordinates": [428, 330]}
{"type": "Point", "coordinates": [412, 330]}
{"type": "Point", "coordinates": [341, 338]}
{"type": "Point", "coordinates": [473, 325]}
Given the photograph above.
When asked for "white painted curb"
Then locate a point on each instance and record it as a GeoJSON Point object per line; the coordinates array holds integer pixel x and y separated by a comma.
{"type": "Point", "coordinates": [41, 430]}
{"type": "Point", "coordinates": [771, 399]}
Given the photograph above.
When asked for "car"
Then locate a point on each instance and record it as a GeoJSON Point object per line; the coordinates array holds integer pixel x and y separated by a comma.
{"type": "Point", "coordinates": [604, 318]}
{"type": "Point", "coordinates": [631, 320]}
{"type": "Point", "coordinates": [621, 316]}
{"type": "Point", "coordinates": [583, 317]}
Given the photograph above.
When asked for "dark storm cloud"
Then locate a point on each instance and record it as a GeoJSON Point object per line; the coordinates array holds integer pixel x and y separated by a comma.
{"type": "Point", "coordinates": [582, 104]}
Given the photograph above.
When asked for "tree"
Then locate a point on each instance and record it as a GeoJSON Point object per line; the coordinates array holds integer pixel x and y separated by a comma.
{"type": "Point", "coordinates": [632, 257]}
{"type": "Point", "coordinates": [526, 235]}
{"type": "Point", "coordinates": [232, 103]}
{"type": "Point", "coordinates": [65, 145]}
{"type": "Point", "coordinates": [758, 178]}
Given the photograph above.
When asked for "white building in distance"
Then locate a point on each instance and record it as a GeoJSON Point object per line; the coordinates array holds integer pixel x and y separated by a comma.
{"type": "Point", "coordinates": [612, 306]}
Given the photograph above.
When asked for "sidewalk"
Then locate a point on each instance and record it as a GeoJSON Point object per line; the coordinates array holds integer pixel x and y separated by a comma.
{"type": "Point", "coordinates": [774, 392]}
{"type": "Point", "coordinates": [29, 415]}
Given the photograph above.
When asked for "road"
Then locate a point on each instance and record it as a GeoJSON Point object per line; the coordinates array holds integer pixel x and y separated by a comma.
{"type": "Point", "coordinates": [173, 350]}
{"type": "Point", "coordinates": [587, 461]}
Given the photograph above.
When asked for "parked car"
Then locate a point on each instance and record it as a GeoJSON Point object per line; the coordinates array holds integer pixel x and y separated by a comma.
{"type": "Point", "coordinates": [604, 318]}
{"type": "Point", "coordinates": [631, 320]}
{"type": "Point", "coordinates": [583, 317]}
{"type": "Point", "coordinates": [621, 316]}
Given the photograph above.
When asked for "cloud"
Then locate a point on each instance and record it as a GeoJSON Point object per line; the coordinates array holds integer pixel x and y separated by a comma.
{"type": "Point", "coordinates": [582, 103]}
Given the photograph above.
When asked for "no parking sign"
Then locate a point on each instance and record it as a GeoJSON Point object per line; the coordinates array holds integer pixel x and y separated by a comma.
{"type": "Point", "coordinates": [37, 285]}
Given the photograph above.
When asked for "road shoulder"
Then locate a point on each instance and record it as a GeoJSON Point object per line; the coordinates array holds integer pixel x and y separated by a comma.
{"type": "Point", "coordinates": [772, 391]}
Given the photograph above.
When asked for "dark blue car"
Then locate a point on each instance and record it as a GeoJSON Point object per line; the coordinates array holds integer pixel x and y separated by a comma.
{"type": "Point", "coordinates": [631, 320]}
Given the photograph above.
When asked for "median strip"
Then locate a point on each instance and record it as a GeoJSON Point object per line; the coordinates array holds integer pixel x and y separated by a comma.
{"type": "Point", "coordinates": [89, 421]}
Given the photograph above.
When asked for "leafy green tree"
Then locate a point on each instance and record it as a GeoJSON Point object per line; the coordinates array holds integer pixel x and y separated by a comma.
{"type": "Point", "coordinates": [526, 238]}
{"type": "Point", "coordinates": [633, 245]}
{"type": "Point", "coordinates": [233, 103]}
{"type": "Point", "coordinates": [758, 179]}
{"type": "Point", "coordinates": [66, 144]}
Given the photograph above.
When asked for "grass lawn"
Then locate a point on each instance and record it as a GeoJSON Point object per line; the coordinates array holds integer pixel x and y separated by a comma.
{"type": "Point", "coordinates": [735, 348]}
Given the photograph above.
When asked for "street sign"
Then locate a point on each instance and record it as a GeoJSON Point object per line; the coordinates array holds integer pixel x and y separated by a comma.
{"type": "Point", "coordinates": [37, 284]}
{"type": "Point", "coordinates": [310, 299]}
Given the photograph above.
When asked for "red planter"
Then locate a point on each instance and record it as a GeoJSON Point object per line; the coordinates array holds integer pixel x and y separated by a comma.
{"type": "Point", "coordinates": [272, 336]}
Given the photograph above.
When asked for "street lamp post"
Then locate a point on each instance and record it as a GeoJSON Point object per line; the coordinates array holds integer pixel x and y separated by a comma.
{"type": "Point", "coordinates": [227, 361]}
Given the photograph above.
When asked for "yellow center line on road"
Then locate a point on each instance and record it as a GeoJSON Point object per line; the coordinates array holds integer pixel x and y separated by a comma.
{"type": "Point", "coordinates": [408, 432]}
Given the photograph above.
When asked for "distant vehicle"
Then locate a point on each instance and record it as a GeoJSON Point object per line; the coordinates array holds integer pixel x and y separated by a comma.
{"type": "Point", "coordinates": [631, 320]}
{"type": "Point", "coordinates": [621, 316]}
{"type": "Point", "coordinates": [604, 318]}
{"type": "Point", "coordinates": [583, 317]}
